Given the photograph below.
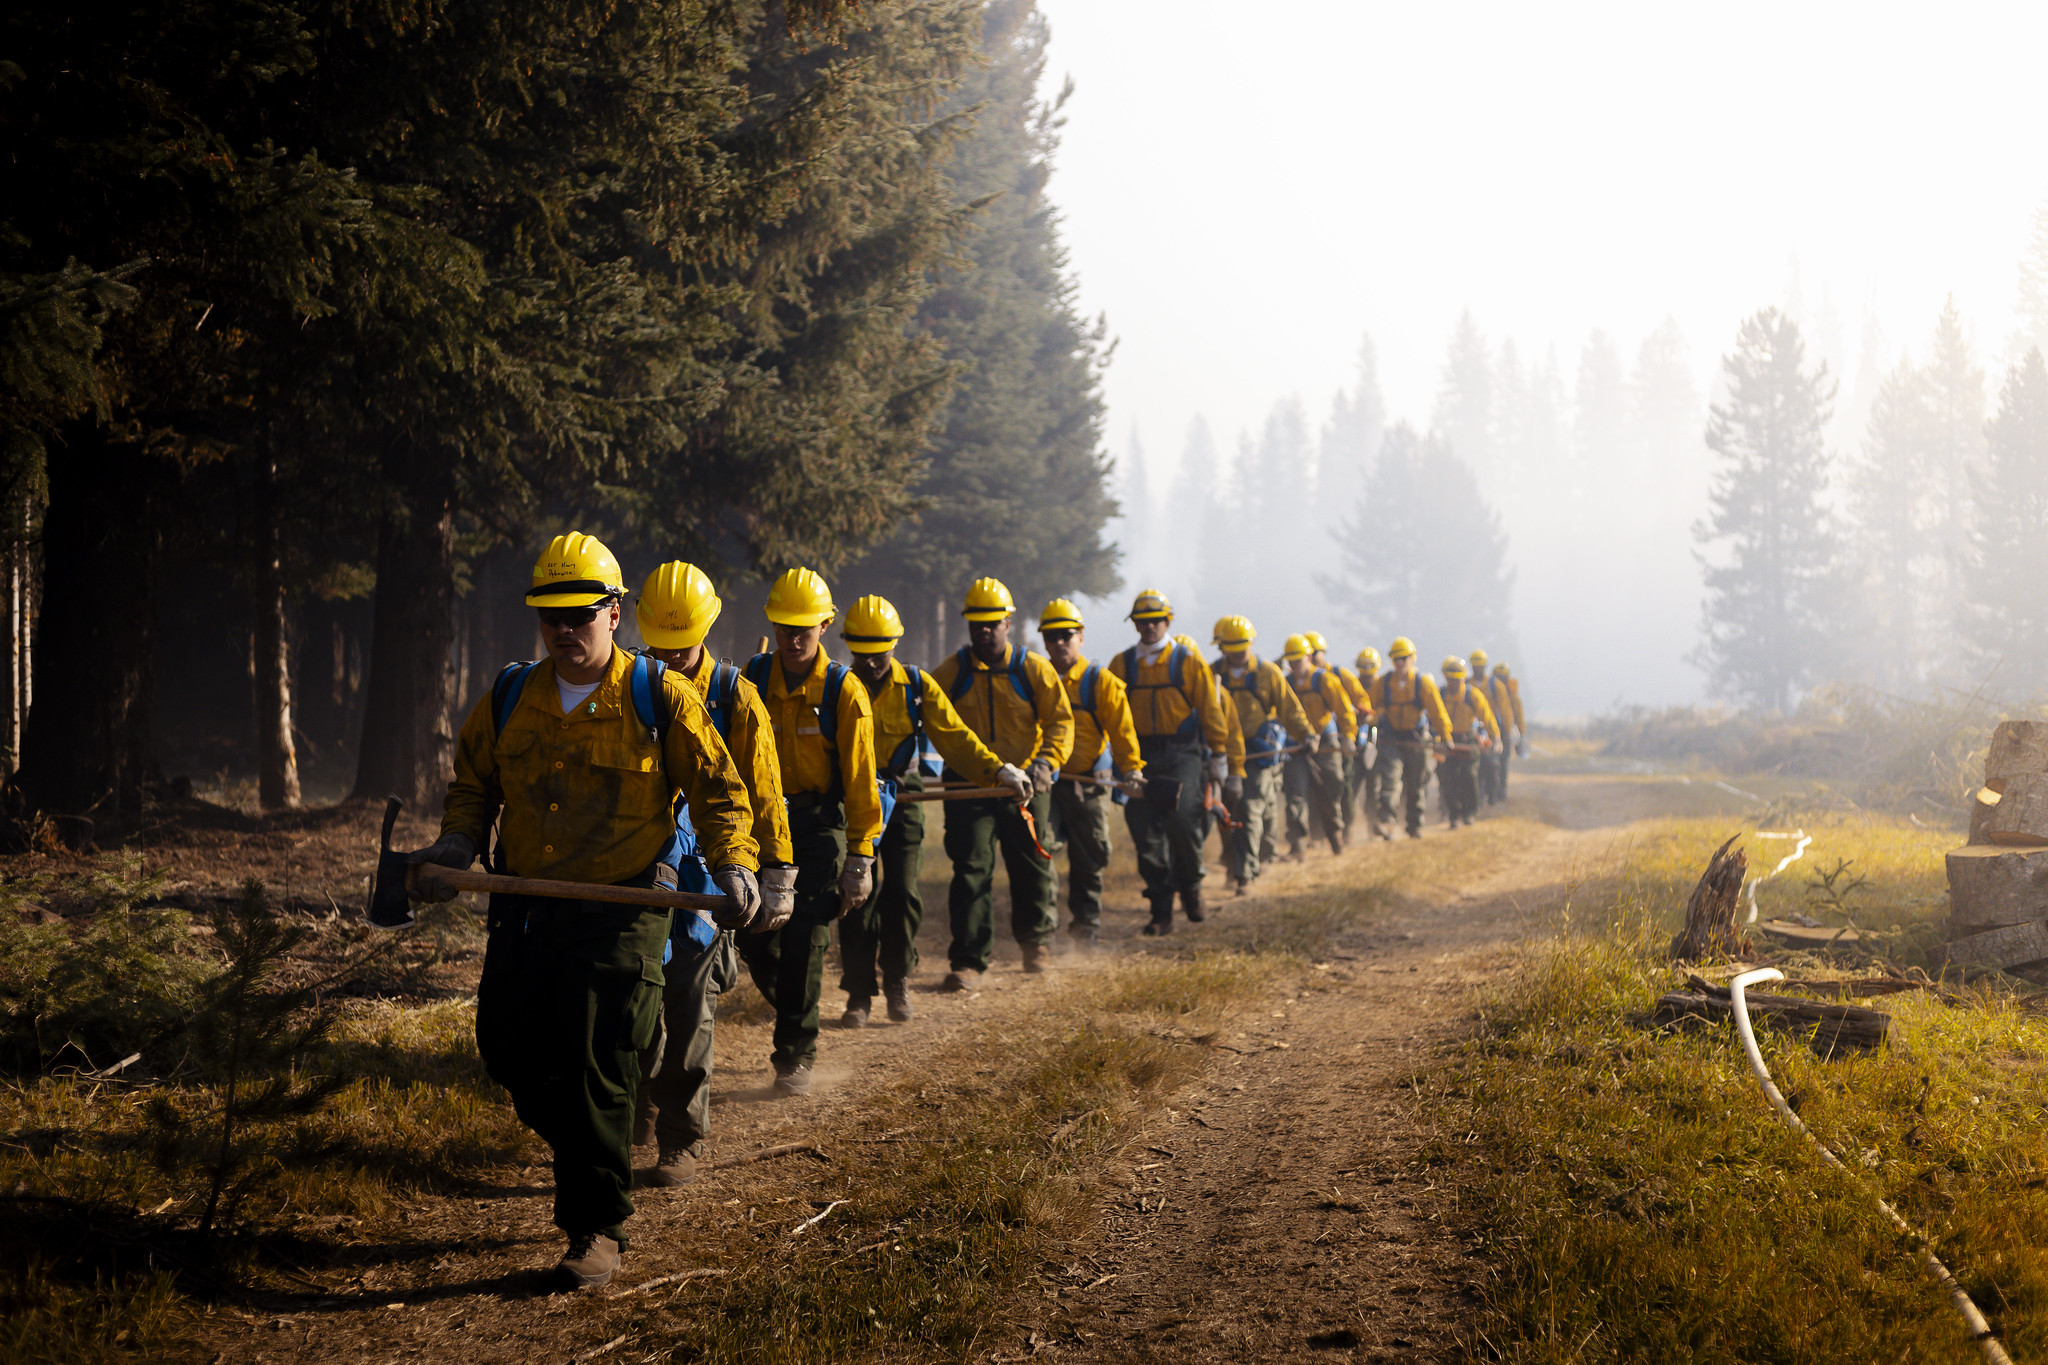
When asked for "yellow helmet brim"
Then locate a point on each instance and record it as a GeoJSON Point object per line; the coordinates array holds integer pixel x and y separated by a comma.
{"type": "Point", "coordinates": [987, 613]}
{"type": "Point", "coordinates": [658, 638]}
{"type": "Point", "coordinates": [579, 594]}
{"type": "Point", "coordinates": [799, 620]}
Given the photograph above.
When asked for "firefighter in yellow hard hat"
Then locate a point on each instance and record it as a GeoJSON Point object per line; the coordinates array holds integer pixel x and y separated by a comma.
{"type": "Point", "coordinates": [1504, 692]}
{"type": "Point", "coordinates": [1013, 700]}
{"type": "Point", "coordinates": [675, 610]}
{"type": "Point", "coordinates": [1361, 707]}
{"type": "Point", "coordinates": [1408, 709]}
{"type": "Point", "coordinates": [1314, 776]}
{"type": "Point", "coordinates": [825, 743]}
{"type": "Point", "coordinates": [1473, 734]}
{"type": "Point", "coordinates": [1270, 717]}
{"type": "Point", "coordinates": [1367, 784]}
{"type": "Point", "coordinates": [579, 759]}
{"type": "Point", "coordinates": [915, 728]}
{"type": "Point", "coordinates": [1104, 767]}
{"type": "Point", "coordinates": [1186, 744]}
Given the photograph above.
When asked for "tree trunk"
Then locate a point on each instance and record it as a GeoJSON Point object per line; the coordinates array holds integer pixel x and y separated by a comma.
{"type": "Point", "coordinates": [1710, 932]}
{"type": "Point", "coordinates": [88, 744]}
{"type": "Point", "coordinates": [408, 745]}
{"type": "Point", "coordinates": [277, 760]}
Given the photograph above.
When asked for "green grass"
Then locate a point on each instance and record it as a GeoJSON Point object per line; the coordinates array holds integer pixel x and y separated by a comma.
{"type": "Point", "coordinates": [1639, 1199]}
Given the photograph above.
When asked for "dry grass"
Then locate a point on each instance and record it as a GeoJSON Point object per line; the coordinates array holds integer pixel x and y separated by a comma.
{"type": "Point", "coordinates": [1643, 1203]}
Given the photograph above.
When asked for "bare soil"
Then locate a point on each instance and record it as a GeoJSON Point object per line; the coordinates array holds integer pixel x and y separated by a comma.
{"type": "Point", "coordinates": [1281, 1208]}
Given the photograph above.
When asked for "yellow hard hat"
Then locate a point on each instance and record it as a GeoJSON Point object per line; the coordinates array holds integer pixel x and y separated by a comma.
{"type": "Point", "coordinates": [1234, 632]}
{"type": "Point", "coordinates": [1151, 605]}
{"type": "Point", "coordinates": [1478, 661]}
{"type": "Point", "coordinates": [575, 571]}
{"type": "Point", "coordinates": [1402, 648]}
{"type": "Point", "coordinates": [1369, 658]}
{"type": "Point", "coordinates": [676, 606]}
{"type": "Point", "coordinates": [988, 600]}
{"type": "Point", "coordinates": [1297, 648]}
{"type": "Point", "coordinates": [1316, 642]}
{"type": "Point", "coordinates": [1501, 671]}
{"type": "Point", "coordinates": [872, 626]}
{"type": "Point", "coordinates": [1454, 667]}
{"type": "Point", "coordinates": [800, 598]}
{"type": "Point", "coordinates": [1060, 614]}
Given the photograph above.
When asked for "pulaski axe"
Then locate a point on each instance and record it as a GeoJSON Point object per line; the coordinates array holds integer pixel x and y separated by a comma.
{"type": "Point", "coordinates": [398, 885]}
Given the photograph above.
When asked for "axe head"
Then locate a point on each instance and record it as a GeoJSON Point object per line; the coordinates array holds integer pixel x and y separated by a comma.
{"type": "Point", "coordinates": [390, 906]}
{"type": "Point", "coordinates": [1163, 794]}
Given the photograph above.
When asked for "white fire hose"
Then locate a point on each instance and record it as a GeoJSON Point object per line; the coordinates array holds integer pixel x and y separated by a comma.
{"type": "Point", "coordinates": [1980, 1330]}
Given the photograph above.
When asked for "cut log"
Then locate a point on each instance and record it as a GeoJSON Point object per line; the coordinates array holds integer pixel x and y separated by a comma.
{"type": "Point", "coordinates": [2021, 815]}
{"type": "Point", "coordinates": [2013, 946]}
{"type": "Point", "coordinates": [2017, 747]}
{"type": "Point", "coordinates": [1828, 1028]}
{"type": "Point", "coordinates": [1991, 886]}
{"type": "Point", "coordinates": [1710, 932]}
{"type": "Point", "coordinates": [1981, 806]}
{"type": "Point", "coordinates": [1810, 935]}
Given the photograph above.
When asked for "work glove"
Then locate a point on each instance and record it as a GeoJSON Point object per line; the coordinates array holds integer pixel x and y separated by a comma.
{"type": "Point", "coordinates": [1219, 767]}
{"type": "Point", "coordinates": [1312, 743]}
{"type": "Point", "coordinates": [778, 897]}
{"type": "Point", "coordinates": [450, 850]}
{"type": "Point", "coordinates": [1012, 779]}
{"type": "Point", "coordinates": [1233, 789]}
{"type": "Point", "coordinates": [1132, 785]}
{"type": "Point", "coordinates": [743, 893]}
{"type": "Point", "coordinates": [1041, 775]}
{"type": "Point", "coordinates": [856, 881]}
{"type": "Point", "coordinates": [1522, 748]}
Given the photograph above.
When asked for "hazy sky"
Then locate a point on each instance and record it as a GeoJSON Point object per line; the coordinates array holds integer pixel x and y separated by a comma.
{"type": "Point", "coordinates": [1248, 188]}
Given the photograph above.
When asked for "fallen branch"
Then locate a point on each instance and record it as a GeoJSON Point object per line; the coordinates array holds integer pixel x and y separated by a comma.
{"type": "Point", "coordinates": [815, 1218]}
{"type": "Point", "coordinates": [1828, 1027]}
{"type": "Point", "coordinates": [768, 1154]}
{"type": "Point", "coordinates": [596, 1351]}
{"type": "Point", "coordinates": [660, 1280]}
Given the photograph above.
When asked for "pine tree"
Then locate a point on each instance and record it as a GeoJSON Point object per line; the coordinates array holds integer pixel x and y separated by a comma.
{"type": "Point", "coordinates": [1773, 588]}
{"type": "Point", "coordinates": [2031, 308]}
{"type": "Point", "coordinates": [1270, 501]}
{"type": "Point", "coordinates": [1600, 415]}
{"type": "Point", "coordinates": [1350, 438]}
{"type": "Point", "coordinates": [1954, 454]}
{"type": "Point", "coordinates": [1423, 554]}
{"type": "Point", "coordinates": [1464, 412]}
{"type": "Point", "coordinates": [1017, 482]}
{"type": "Point", "coordinates": [2007, 614]}
{"type": "Point", "coordinates": [1889, 506]}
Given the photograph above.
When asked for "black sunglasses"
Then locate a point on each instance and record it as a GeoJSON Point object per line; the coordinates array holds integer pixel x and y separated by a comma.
{"type": "Point", "coordinates": [1058, 637]}
{"type": "Point", "coordinates": [570, 617]}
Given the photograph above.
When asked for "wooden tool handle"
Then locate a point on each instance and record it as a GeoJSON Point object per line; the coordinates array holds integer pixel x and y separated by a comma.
{"type": "Point", "coordinates": [958, 794]}
{"type": "Point", "coordinates": [424, 877]}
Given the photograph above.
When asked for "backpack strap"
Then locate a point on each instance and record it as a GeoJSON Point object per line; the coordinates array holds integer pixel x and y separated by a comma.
{"type": "Point", "coordinates": [963, 679]}
{"type": "Point", "coordinates": [650, 697]}
{"type": "Point", "coordinates": [757, 671]}
{"type": "Point", "coordinates": [913, 698]}
{"type": "Point", "coordinates": [511, 681]}
{"type": "Point", "coordinates": [720, 694]}
{"type": "Point", "coordinates": [1088, 680]}
{"type": "Point", "coordinates": [828, 709]}
{"type": "Point", "coordinates": [1020, 681]}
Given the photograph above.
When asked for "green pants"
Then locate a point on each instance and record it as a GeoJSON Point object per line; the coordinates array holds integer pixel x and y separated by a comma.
{"type": "Point", "coordinates": [885, 927]}
{"type": "Point", "coordinates": [1313, 782]}
{"type": "Point", "coordinates": [975, 830]}
{"type": "Point", "coordinates": [1169, 843]}
{"type": "Point", "coordinates": [1366, 785]}
{"type": "Point", "coordinates": [1493, 773]}
{"type": "Point", "coordinates": [1458, 775]}
{"type": "Point", "coordinates": [1080, 821]}
{"type": "Point", "coordinates": [1411, 760]}
{"type": "Point", "coordinates": [570, 995]}
{"type": "Point", "coordinates": [679, 1095]}
{"type": "Point", "coordinates": [788, 965]}
{"type": "Point", "coordinates": [1347, 792]}
{"type": "Point", "coordinates": [1244, 847]}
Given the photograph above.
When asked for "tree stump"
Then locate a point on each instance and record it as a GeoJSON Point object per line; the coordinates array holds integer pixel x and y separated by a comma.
{"type": "Point", "coordinates": [2015, 945]}
{"type": "Point", "coordinates": [2020, 815]}
{"type": "Point", "coordinates": [1710, 931]}
{"type": "Point", "coordinates": [1991, 886]}
{"type": "Point", "coordinates": [2018, 747]}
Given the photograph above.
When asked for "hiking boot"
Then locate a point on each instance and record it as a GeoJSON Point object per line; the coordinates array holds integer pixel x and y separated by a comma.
{"type": "Point", "coordinates": [897, 994]}
{"type": "Point", "coordinates": [676, 1167]}
{"type": "Point", "coordinates": [962, 979]}
{"type": "Point", "coordinates": [793, 1083]}
{"type": "Point", "coordinates": [1294, 852]}
{"type": "Point", "coordinates": [857, 1009]}
{"type": "Point", "coordinates": [590, 1261]}
{"type": "Point", "coordinates": [1415, 831]}
{"type": "Point", "coordinates": [1191, 903]}
{"type": "Point", "coordinates": [1087, 934]}
{"type": "Point", "coordinates": [1336, 844]}
{"type": "Point", "coordinates": [1034, 955]}
{"type": "Point", "coordinates": [643, 1122]}
{"type": "Point", "coordinates": [1162, 918]}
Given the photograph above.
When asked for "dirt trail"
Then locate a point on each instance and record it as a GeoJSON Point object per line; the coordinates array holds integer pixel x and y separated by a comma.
{"type": "Point", "coordinates": [1276, 1210]}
